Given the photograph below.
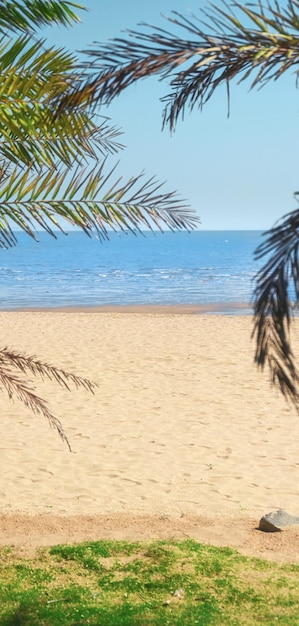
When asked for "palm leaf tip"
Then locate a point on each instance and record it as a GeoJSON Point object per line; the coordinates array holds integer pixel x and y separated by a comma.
{"type": "Point", "coordinates": [16, 386]}
{"type": "Point", "coordinates": [29, 15]}
{"type": "Point", "coordinates": [275, 297]}
{"type": "Point", "coordinates": [31, 364]}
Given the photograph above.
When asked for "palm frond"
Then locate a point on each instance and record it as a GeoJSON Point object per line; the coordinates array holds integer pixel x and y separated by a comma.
{"type": "Point", "coordinates": [66, 141]}
{"type": "Point", "coordinates": [37, 367]}
{"type": "Point", "coordinates": [30, 75]}
{"type": "Point", "coordinates": [28, 15]}
{"type": "Point", "coordinates": [17, 387]}
{"type": "Point", "coordinates": [220, 49]}
{"type": "Point", "coordinates": [88, 199]}
{"type": "Point", "coordinates": [275, 297]}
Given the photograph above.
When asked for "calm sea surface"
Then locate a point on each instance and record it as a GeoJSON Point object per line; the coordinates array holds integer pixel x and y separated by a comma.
{"type": "Point", "coordinates": [206, 267]}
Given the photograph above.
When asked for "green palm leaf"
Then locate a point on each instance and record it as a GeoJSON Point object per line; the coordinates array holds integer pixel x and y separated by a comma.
{"type": "Point", "coordinates": [88, 199]}
{"type": "Point", "coordinates": [29, 131]}
{"type": "Point", "coordinates": [28, 15]}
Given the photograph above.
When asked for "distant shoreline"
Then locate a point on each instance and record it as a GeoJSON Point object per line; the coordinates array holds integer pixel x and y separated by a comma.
{"type": "Point", "coordinates": [220, 308]}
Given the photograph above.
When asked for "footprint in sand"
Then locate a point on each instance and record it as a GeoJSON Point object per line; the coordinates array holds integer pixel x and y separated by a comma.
{"type": "Point", "coordinates": [42, 469]}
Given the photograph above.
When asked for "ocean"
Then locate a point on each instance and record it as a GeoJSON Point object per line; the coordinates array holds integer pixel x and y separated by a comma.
{"type": "Point", "coordinates": [213, 268]}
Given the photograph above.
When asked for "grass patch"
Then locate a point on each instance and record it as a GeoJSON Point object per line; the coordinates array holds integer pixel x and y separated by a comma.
{"type": "Point", "coordinates": [117, 583]}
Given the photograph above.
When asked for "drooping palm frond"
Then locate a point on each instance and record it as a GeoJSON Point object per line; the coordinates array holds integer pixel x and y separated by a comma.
{"type": "Point", "coordinates": [276, 295]}
{"type": "Point", "coordinates": [16, 386]}
{"type": "Point", "coordinates": [35, 366]}
{"type": "Point", "coordinates": [207, 52]}
{"type": "Point", "coordinates": [28, 15]}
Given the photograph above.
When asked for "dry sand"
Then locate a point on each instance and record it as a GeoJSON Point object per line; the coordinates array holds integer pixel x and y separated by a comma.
{"type": "Point", "coordinates": [183, 437]}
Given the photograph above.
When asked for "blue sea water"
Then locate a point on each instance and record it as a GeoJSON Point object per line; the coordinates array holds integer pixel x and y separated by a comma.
{"type": "Point", "coordinates": [202, 267]}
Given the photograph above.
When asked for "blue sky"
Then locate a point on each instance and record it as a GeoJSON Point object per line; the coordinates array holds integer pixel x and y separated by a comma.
{"type": "Point", "coordinates": [237, 173]}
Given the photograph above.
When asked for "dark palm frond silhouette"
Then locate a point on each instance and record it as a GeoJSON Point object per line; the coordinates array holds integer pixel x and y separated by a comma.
{"type": "Point", "coordinates": [217, 48]}
{"type": "Point", "coordinates": [275, 298]}
{"type": "Point", "coordinates": [232, 42]}
{"type": "Point", "coordinates": [16, 386]}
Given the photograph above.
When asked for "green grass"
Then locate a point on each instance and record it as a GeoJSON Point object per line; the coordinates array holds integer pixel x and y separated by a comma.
{"type": "Point", "coordinates": [163, 582]}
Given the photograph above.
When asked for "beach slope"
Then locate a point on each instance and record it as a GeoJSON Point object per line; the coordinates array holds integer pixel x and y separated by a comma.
{"type": "Point", "coordinates": [183, 436]}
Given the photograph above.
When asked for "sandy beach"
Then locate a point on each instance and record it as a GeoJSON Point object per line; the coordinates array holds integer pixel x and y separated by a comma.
{"type": "Point", "coordinates": [183, 436]}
